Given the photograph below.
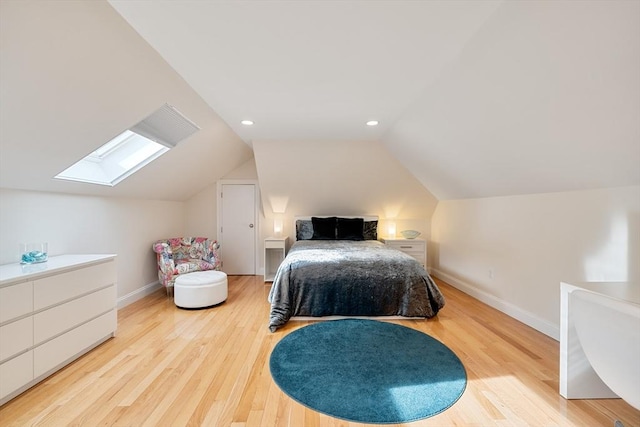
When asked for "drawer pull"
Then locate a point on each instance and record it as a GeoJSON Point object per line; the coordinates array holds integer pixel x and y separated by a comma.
{"type": "Point", "coordinates": [406, 247]}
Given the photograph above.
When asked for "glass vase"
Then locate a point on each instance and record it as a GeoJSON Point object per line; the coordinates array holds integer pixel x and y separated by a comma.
{"type": "Point", "coordinates": [33, 253]}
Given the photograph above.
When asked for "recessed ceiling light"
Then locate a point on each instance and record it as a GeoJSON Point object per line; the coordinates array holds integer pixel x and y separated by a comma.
{"type": "Point", "coordinates": [247, 122]}
{"type": "Point", "coordinates": [372, 123]}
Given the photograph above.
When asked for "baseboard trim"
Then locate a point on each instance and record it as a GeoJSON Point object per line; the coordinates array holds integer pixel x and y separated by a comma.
{"type": "Point", "coordinates": [507, 308]}
{"type": "Point", "coordinates": [138, 294]}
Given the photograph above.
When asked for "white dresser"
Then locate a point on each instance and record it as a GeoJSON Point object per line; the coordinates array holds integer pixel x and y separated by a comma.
{"type": "Point", "coordinates": [51, 314]}
{"type": "Point", "coordinates": [417, 248]}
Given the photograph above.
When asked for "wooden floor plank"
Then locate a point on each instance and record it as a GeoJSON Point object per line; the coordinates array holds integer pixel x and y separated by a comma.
{"type": "Point", "coordinates": [174, 367]}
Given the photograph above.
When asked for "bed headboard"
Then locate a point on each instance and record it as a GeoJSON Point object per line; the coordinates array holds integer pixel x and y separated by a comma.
{"type": "Point", "coordinates": [365, 218]}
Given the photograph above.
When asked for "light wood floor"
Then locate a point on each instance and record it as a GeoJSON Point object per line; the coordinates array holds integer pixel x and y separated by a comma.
{"type": "Point", "coordinates": [172, 367]}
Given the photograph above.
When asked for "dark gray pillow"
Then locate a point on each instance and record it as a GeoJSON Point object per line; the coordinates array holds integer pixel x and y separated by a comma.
{"type": "Point", "coordinates": [370, 230]}
{"type": "Point", "coordinates": [324, 228]}
{"type": "Point", "coordinates": [350, 229]}
{"type": "Point", "coordinates": [304, 229]}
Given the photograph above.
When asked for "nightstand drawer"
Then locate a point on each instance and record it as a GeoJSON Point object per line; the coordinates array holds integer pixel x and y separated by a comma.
{"type": "Point", "coordinates": [413, 253]}
{"type": "Point", "coordinates": [274, 244]}
{"type": "Point", "coordinates": [408, 247]}
{"type": "Point", "coordinates": [417, 256]}
{"type": "Point", "coordinates": [414, 248]}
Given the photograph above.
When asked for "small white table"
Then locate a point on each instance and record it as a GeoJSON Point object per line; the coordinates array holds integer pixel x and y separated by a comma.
{"type": "Point", "coordinates": [275, 249]}
{"type": "Point", "coordinates": [578, 380]}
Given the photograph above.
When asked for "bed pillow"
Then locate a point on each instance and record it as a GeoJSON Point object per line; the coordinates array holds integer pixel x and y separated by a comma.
{"type": "Point", "coordinates": [324, 228]}
{"type": "Point", "coordinates": [370, 230]}
{"type": "Point", "coordinates": [350, 229]}
{"type": "Point", "coordinates": [304, 229]}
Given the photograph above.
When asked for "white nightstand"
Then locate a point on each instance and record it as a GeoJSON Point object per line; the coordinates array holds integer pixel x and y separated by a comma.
{"type": "Point", "coordinates": [417, 248]}
{"type": "Point", "coordinates": [275, 249]}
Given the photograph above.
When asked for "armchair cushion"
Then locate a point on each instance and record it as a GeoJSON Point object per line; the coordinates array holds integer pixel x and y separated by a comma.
{"type": "Point", "coordinates": [183, 255]}
{"type": "Point", "coordinates": [188, 267]}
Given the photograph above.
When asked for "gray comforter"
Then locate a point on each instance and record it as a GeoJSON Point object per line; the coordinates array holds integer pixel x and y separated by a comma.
{"type": "Point", "coordinates": [350, 278]}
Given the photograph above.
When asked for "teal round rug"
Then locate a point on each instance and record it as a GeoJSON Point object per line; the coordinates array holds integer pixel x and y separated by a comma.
{"type": "Point", "coordinates": [368, 371]}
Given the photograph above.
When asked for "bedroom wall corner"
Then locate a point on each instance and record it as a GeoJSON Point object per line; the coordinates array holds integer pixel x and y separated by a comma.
{"type": "Point", "coordinates": [340, 178]}
{"type": "Point", "coordinates": [201, 210]}
{"type": "Point", "coordinates": [201, 214]}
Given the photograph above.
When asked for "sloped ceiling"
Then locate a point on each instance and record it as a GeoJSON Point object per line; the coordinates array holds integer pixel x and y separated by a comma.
{"type": "Point", "coordinates": [475, 98]}
{"type": "Point", "coordinates": [72, 76]}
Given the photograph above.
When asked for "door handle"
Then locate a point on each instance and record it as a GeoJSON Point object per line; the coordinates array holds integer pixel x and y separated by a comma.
{"type": "Point", "coordinates": [250, 225]}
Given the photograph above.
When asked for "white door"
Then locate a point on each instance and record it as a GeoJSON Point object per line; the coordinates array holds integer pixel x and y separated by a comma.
{"type": "Point", "coordinates": [238, 228]}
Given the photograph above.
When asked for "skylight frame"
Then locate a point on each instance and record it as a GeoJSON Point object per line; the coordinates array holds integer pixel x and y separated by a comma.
{"type": "Point", "coordinates": [107, 164]}
{"type": "Point", "coordinates": [132, 149]}
{"type": "Point", "coordinates": [108, 148]}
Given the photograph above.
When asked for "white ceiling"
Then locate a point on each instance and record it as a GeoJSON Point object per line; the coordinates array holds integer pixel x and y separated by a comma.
{"type": "Point", "coordinates": [308, 69]}
{"type": "Point", "coordinates": [475, 98]}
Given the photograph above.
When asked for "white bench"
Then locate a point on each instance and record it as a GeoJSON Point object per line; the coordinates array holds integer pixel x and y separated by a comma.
{"type": "Point", "coordinates": [200, 289]}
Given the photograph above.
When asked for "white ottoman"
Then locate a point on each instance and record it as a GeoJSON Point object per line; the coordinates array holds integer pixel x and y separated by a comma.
{"type": "Point", "coordinates": [200, 289]}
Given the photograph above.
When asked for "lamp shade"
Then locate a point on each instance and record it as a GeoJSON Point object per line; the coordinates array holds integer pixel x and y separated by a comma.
{"type": "Point", "coordinates": [277, 227]}
{"type": "Point", "coordinates": [391, 229]}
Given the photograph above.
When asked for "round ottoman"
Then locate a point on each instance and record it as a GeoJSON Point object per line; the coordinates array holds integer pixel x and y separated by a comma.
{"type": "Point", "coordinates": [200, 289]}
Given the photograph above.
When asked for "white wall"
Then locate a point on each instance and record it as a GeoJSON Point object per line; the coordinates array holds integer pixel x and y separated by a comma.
{"type": "Point", "coordinates": [201, 215]}
{"type": "Point", "coordinates": [513, 252]}
{"type": "Point", "coordinates": [339, 177]}
{"type": "Point", "coordinates": [247, 170]}
{"type": "Point", "coordinates": [85, 224]}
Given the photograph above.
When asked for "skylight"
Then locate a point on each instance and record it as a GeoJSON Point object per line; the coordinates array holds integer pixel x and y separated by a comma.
{"type": "Point", "coordinates": [132, 149]}
{"type": "Point", "coordinates": [114, 161]}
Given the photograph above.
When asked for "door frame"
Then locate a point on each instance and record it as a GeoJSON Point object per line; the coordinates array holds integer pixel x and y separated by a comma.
{"type": "Point", "coordinates": [258, 202]}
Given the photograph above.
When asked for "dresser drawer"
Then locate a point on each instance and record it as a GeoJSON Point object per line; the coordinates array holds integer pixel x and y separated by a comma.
{"type": "Point", "coordinates": [61, 318]}
{"type": "Point", "coordinates": [15, 301]}
{"type": "Point", "coordinates": [15, 373]}
{"type": "Point", "coordinates": [16, 337]}
{"type": "Point", "coordinates": [55, 289]}
{"type": "Point", "coordinates": [61, 349]}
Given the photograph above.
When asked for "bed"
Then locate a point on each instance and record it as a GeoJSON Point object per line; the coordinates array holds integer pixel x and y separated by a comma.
{"type": "Point", "coordinates": [337, 267]}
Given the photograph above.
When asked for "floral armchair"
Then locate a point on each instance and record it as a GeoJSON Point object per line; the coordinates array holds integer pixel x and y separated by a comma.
{"type": "Point", "coordinates": [183, 255]}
